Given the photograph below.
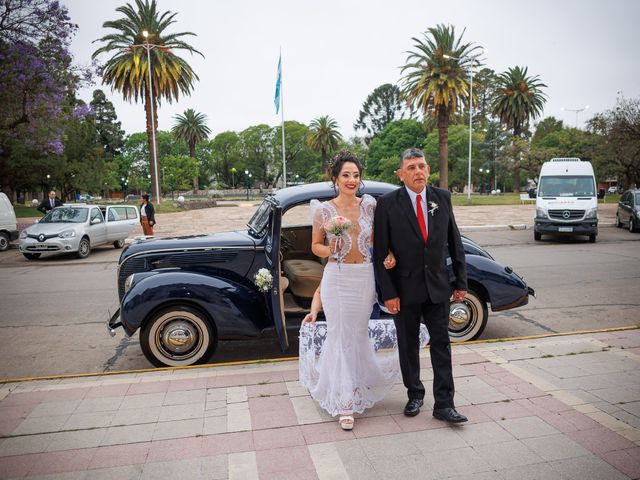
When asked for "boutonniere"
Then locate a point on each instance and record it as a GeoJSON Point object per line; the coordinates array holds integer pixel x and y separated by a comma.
{"type": "Point", "coordinates": [434, 207]}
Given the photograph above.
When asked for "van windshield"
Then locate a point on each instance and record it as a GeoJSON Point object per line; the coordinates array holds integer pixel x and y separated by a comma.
{"type": "Point", "coordinates": [567, 186]}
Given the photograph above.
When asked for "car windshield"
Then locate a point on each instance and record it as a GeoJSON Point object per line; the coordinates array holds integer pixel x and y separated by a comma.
{"type": "Point", "coordinates": [567, 186]}
{"type": "Point", "coordinates": [260, 219]}
{"type": "Point", "coordinates": [66, 215]}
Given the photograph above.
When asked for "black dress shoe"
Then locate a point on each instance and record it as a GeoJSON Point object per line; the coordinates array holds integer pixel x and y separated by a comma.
{"type": "Point", "coordinates": [413, 407]}
{"type": "Point", "coordinates": [448, 415]}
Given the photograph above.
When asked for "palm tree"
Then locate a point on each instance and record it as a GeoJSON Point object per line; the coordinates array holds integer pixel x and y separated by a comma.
{"type": "Point", "coordinates": [191, 127]}
{"type": "Point", "coordinates": [324, 136]}
{"type": "Point", "coordinates": [435, 81]}
{"type": "Point", "coordinates": [517, 100]}
{"type": "Point", "coordinates": [127, 69]}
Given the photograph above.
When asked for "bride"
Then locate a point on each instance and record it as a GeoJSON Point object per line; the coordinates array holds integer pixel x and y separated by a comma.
{"type": "Point", "coordinates": [347, 376]}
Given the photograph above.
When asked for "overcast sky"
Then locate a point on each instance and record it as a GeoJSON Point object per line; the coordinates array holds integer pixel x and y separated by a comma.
{"type": "Point", "coordinates": [335, 52]}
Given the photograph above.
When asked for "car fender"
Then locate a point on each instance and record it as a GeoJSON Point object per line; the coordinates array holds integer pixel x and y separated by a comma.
{"type": "Point", "coordinates": [236, 308]}
{"type": "Point", "coordinates": [503, 287]}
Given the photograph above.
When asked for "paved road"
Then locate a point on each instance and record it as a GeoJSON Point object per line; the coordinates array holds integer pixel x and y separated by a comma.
{"type": "Point", "coordinates": [52, 311]}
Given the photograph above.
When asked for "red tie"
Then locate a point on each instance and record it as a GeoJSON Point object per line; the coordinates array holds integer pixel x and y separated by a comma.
{"type": "Point", "coordinates": [420, 214]}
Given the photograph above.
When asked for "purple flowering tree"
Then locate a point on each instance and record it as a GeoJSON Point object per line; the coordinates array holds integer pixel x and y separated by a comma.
{"type": "Point", "coordinates": [37, 83]}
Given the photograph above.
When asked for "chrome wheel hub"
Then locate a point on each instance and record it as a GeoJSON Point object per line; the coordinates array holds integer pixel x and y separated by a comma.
{"type": "Point", "coordinates": [179, 337]}
{"type": "Point", "coordinates": [459, 316]}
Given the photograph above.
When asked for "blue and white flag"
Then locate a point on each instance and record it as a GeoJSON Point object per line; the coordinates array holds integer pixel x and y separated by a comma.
{"type": "Point", "coordinates": [276, 99]}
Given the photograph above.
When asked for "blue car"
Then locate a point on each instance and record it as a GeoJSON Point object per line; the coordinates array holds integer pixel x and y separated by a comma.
{"type": "Point", "coordinates": [185, 293]}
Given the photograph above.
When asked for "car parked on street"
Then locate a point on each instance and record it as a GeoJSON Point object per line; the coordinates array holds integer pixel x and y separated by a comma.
{"type": "Point", "coordinates": [183, 294]}
{"type": "Point", "coordinates": [628, 213]}
{"type": "Point", "coordinates": [78, 228]}
{"type": "Point", "coordinates": [8, 225]}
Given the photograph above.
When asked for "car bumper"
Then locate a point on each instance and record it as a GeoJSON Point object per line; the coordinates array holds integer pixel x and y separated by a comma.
{"type": "Point", "coordinates": [584, 227]}
{"type": "Point", "coordinates": [31, 245]}
{"type": "Point", "coordinates": [114, 321]}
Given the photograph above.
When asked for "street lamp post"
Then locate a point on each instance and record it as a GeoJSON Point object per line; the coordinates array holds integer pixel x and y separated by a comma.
{"type": "Point", "coordinates": [148, 47]}
{"type": "Point", "coordinates": [576, 110]}
{"type": "Point", "coordinates": [473, 61]}
{"type": "Point", "coordinates": [233, 177]}
{"type": "Point", "coordinates": [246, 182]}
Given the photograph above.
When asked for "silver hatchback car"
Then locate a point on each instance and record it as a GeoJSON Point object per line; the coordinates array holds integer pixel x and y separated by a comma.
{"type": "Point", "coordinates": [78, 228]}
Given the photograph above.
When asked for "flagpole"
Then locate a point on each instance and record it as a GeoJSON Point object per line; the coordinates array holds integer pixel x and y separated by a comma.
{"type": "Point", "coordinates": [284, 160]}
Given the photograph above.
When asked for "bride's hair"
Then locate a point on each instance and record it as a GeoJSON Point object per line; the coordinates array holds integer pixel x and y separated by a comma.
{"type": "Point", "coordinates": [336, 163]}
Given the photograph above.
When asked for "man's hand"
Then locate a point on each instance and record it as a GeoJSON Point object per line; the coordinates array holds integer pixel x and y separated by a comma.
{"type": "Point", "coordinates": [393, 305]}
{"type": "Point", "coordinates": [458, 296]}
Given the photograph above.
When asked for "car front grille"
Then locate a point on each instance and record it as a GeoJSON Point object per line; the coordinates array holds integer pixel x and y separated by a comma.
{"type": "Point", "coordinates": [133, 265]}
{"type": "Point", "coordinates": [42, 247]}
{"type": "Point", "coordinates": [566, 214]}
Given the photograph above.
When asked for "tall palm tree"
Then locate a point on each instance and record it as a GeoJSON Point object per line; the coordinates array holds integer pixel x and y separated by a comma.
{"type": "Point", "coordinates": [324, 136]}
{"type": "Point", "coordinates": [192, 128]}
{"type": "Point", "coordinates": [517, 100]}
{"type": "Point", "coordinates": [127, 69]}
{"type": "Point", "coordinates": [436, 84]}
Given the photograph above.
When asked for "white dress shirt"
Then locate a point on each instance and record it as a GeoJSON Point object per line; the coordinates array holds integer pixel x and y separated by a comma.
{"type": "Point", "coordinates": [413, 195]}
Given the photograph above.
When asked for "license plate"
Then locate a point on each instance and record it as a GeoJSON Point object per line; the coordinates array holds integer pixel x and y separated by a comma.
{"type": "Point", "coordinates": [565, 229]}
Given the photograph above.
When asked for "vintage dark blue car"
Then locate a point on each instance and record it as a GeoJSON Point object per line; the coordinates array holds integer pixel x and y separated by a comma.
{"type": "Point", "coordinates": [186, 293]}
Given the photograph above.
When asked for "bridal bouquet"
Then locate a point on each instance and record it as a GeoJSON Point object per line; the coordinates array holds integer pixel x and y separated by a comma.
{"type": "Point", "coordinates": [337, 225]}
{"type": "Point", "coordinates": [263, 280]}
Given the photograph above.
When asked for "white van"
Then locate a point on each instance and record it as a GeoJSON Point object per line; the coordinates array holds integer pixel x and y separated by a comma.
{"type": "Point", "coordinates": [8, 226]}
{"type": "Point", "coordinates": [566, 200]}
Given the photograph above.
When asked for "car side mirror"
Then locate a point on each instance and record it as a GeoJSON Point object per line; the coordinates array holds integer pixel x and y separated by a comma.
{"type": "Point", "coordinates": [601, 193]}
{"type": "Point", "coordinates": [95, 220]}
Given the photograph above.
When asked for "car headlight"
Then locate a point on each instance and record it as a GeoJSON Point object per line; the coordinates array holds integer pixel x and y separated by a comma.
{"type": "Point", "coordinates": [591, 213]}
{"type": "Point", "coordinates": [67, 234]}
{"type": "Point", "coordinates": [540, 213]}
{"type": "Point", "coordinates": [23, 234]}
{"type": "Point", "coordinates": [128, 282]}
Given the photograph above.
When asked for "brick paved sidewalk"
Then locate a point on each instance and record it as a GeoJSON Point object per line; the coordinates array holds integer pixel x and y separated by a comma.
{"type": "Point", "coordinates": [560, 407]}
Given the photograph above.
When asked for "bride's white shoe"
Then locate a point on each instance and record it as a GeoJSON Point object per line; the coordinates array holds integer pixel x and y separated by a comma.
{"type": "Point", "coordinates": [346, 422]}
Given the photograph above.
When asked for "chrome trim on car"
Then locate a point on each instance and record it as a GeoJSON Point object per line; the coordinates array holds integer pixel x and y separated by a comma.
{"type": "Point", "coordinates": [195, 249]}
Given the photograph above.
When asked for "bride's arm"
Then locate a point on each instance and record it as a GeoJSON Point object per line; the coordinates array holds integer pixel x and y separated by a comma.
{"type": "Point", "coordinates": [316, 306]}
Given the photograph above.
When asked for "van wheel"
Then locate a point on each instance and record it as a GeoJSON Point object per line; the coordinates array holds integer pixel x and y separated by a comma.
{"type": "Point", "coordinates": [632, 225]}
{"type": "Point", "coordinates": [178, 336]}
{"type": "Point", "coordinates": [4, 242]}
{"type": "Point", "coordinates": [592, 238]}
{"type": "Point", "coordinates": [32, 256]}
{"type": "Point", "coordinates": [468, 318]}
{"type": "Point", "coordinates": [118, 243]}
{"type": "Point", "coordinates": [537, 236]}
{"type": "Point", "coordinates": [84, 249]}
{"type": "Point", "coordinates": [618, 222]}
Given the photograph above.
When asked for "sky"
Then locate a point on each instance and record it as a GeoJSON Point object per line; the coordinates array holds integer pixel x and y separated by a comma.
{"type": "Point", "coordinates": [336, 52]}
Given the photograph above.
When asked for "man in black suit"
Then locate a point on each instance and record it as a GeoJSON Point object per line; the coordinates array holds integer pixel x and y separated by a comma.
{"type": "Point", "coordinates": [49, 203]}
{"type": "Point", "coordinates": [416, 223]}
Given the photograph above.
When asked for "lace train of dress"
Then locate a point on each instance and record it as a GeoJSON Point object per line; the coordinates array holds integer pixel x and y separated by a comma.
{"type": "Point", "coordinates": [349, 362]}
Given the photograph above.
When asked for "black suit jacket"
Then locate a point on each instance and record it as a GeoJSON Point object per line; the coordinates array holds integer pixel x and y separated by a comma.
{"type": "Point", "coordinates": [45, 205]}
{"type": "Point", "coordinates": [421, 271]}
{"type": "Point", "coordinates": [150, 211]}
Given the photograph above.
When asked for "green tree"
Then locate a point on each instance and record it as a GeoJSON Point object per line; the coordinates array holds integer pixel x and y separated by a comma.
{"type": "Point", "coordinates": [324, 137]}
{"type": "Point", "coordinates": [301, 160]}
{"type": "Point", "coordinates": [225, 154]}
{"type": "Point", "coordinates": [396, 137]}
{"type": "Point", "coordinates": [110, 133]}
{"type": "Point", "coordinates": [127, 69]}
{"type": "Point", "coordinates": [545, 127]}
{"type": "Point", "coordinates": [518, 99]}
{"type": "Point", "coordinates": [436, 84]}
{"type": "Point", "coordinates": [257, 150]}
{"type": "Point", "coordinates": [179, 170]}
{"type": "Point", "coordinates": [382, 106]}
{"type": "Point", "coordinates": [191, 127]}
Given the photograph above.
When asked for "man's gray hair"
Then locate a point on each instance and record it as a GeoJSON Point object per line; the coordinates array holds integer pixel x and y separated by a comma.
{"type": "Point", "coordinates": [411, 153]}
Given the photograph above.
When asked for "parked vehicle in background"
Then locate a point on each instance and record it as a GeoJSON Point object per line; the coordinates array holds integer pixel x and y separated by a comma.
{"type": "Point", "coordinates": [612, 189]}
{"type": "Point", "coordinates": [8, 224]}
{"type": "Point", "coordinates": [184, 293]}
{"type": "Point", "coordinates": [566, 201]}
{"type": "Point", "coordinates": [78, 228]}
{"type": "Point", "coordinates": [628, 213]}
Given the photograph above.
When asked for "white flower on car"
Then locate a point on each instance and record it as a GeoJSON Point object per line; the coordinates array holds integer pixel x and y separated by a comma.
{"type": "Point", "coordinates": [263, 280]}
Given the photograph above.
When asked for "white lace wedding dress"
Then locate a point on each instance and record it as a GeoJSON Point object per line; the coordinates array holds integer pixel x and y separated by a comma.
{"type": "Point", "coordinates": [349, 362]}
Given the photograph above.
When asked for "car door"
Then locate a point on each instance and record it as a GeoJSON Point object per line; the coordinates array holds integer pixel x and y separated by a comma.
{"type": "Point", "coordinates": [274, 296]}
{"type": "Point", "coordinates": [97, 228]}
{"type": "Point", "coordinates": [121, 220]}
{"type": "Point", "coordinates": [625, 203]}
